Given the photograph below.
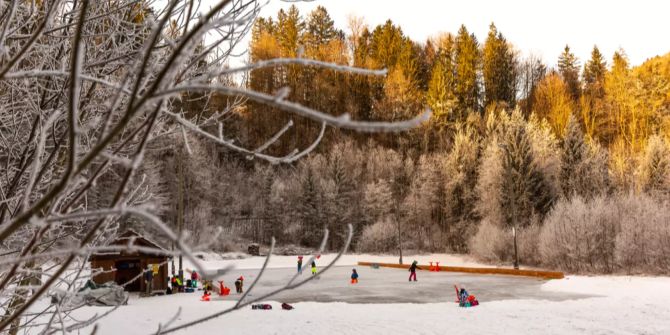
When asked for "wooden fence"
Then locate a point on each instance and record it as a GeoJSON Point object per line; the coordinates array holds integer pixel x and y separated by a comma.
{"type": "Point", "coordinates": [494, 271]}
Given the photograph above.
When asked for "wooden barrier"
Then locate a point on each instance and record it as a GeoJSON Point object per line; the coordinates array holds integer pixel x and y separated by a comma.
{"type": "Point", "coordinates": [493, 271]}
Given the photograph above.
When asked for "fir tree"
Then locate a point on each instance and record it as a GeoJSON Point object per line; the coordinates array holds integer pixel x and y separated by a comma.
{"type": "Point", "coordinates": [467, 60]}
{"type": "Point", "coordinates": [309, 210]}
{"type": "Point", "coordinates": [524, 191]}
{"type": "Point", "coordinates": [595, 69]}
{"type": "Point", "coordinates": [320, 28]}
{"type": "Point", "coordinates": [440, 93]}
{"type": "Point", "coordinates": [290, 27]}
{"type": "Point", "coordinates": [572, 159]}
{"type": "Point", "coordinates": [499, 69]}
{"type": "Point", "coordinates": [568, 67]}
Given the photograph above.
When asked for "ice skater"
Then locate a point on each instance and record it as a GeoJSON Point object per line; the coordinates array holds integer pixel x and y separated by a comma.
{"type": "Point", "coordinates": [354, 276]}
{"type": "Point", "coordinates": [313, 268]}
{"type": "Point", "coordinates": [412, 271]}
{"type": "Point", "coordinates": [239, 283]}
{"type": "Point", "coordinates": [300, 265]}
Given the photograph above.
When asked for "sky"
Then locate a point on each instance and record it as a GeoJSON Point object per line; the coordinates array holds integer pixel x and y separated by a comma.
{"type": "Point", "coordinates": [640, 27]}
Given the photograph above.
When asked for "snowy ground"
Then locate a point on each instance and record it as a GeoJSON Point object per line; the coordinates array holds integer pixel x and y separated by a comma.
{"type": "Point", "coordinates": [575, 305]}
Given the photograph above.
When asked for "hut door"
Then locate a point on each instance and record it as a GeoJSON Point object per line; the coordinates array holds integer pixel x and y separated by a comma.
{"type": "Point", "coordinates": [127, 270]}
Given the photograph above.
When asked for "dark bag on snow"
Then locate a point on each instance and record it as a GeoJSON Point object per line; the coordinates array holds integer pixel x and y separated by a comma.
{"type": "Point", "coordinates": [261, 306]}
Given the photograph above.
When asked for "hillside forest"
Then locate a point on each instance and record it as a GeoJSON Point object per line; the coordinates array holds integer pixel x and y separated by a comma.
{"type": "Point", "coordinates": [574, 154]}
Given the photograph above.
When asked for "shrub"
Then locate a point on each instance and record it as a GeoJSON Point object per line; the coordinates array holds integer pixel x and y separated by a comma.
{"type": "Point", "coordinates": [629, 233]}
{"type": "Point", "coordinates": [643, 244]}
{"type": "Point", "coordinates": [579, 236]}
{"type": "Point", "coordinates": [491, 243]}
{"type": "Point", "coordinates": [379, 237]}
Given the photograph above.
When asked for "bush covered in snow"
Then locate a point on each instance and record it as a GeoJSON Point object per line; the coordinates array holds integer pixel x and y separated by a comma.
{"type": "Point", "coordinates": [628, 233]}
{"type": "Point", "coordinates": [381, 236]}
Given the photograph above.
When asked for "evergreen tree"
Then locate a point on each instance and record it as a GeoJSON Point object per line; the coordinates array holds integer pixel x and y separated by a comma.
{"type": "Point", "coordinates": [572, 159]}
{"type": "Point", "coordinates": [440, 95]}
{"type": "Point", "coordinates": [309, 210]}
{"type": "Point", "coordinates": [467, 61]}
{"type": "Point", "coordinates": [499, 69]}
{"type": "Point", "coordinates": [524, 191]}
{"type": "Point", "coordinates": [290, 28]}
{"type": "Point", "coordinates": [320, 28]}
{"type": "Point", "coordinates": [460, 186]}
{"type": "Point", "coordinates": [568, 67]}
{"type": "Point", "coordinates": [594, 73]}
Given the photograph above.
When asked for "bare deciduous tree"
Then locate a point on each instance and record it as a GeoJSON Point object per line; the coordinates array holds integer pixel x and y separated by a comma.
{"type": "Point", "coordinates": [85, 87]}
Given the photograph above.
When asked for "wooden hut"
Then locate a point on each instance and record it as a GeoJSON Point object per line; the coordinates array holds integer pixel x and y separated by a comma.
{"type": "Point", "coordinates": [122, 266]}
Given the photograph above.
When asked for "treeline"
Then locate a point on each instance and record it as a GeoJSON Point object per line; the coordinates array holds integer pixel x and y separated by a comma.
{"type": "Point", "coordinates": [460, 78]}
{"type": "Point", "coordinates": [512, 172]}
{"type": "Point", "coordinates": [574, 157]}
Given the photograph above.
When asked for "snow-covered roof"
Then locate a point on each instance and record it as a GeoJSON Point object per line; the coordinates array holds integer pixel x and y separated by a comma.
{"type": "Point", "coordinates": [138, 238]}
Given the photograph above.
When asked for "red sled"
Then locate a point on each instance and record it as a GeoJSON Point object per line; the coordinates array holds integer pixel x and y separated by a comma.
{"type": "Point", "coordinates": [223, 290]}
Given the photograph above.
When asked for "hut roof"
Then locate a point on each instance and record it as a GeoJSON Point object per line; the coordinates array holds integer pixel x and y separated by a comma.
{"type": "Point", "coordinates": [135, 239]}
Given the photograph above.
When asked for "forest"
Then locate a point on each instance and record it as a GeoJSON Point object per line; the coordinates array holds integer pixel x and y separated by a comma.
{"type": "Point", "coordinates": [574, 157]}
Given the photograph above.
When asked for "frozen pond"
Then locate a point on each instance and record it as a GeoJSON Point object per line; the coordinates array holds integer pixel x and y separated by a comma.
{"type": "Point", "coordinates": [388, 285]}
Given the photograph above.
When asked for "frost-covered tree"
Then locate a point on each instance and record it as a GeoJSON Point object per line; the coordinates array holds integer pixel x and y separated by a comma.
{"type": "Point", "coordinates": [584, 170]}
{"type": "Point", "coordinates": [525, 192]}
{"type": "Point", "coordinates": [654, 170]}
{"type": "Point", "coordinates": [460, 180]}
{"type": "Point", "coordinates": [424, 206]}
{"type": "Point", "coordinates": [87, 90]}
{"type": "Point", "coordinates": [573, 157]}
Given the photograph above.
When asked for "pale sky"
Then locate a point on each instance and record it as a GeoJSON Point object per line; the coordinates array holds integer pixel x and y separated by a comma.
{"type": "Point", "coordinates": [640, 27]}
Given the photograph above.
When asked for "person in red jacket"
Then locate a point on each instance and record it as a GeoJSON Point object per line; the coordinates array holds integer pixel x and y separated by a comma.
{"type": "Point", "coordinates": [194, 279]}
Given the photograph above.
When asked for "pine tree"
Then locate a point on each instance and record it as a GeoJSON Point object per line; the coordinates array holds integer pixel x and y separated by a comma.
{"type": "Point", "coordinates": [309, 210]}
{"type": "Point", "coordinates": [320, 28]}
{"type": "Point", "coordinates": [290, 27]}
{"type": "Point", "coordinates": [524, 191]}
{"type": "Point", "coordinates": [568, 67]}
{"type": "Point", "coordinates": [573, 159]}
{"type": "Point", "coordinates": [467, 61]}
{"type": "Point", "coordinates": [594, 73]}
{"type": "Point", "coordinates": [461, 169]}
{"type": "Point", "coordinates": [499, 69]}
{"type": "Point", "coordinates": [440, 95]}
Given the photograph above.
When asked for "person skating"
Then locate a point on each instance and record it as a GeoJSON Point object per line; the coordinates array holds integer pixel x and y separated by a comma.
{"type": "Point", "coordinates": [313, 268]}
{"type": "Point", "coordinates": [412, 271]}
{"type": "Point", "coordinates": [354, 276]}
{"type": "Point", "coordinates": [194, 279]}
{"type": "Point", "coordinates": [299, 264]}
{"type": "Point", "coordinates": [239, 284]}
{"type": "Point", "coordinates": [206, 296]}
